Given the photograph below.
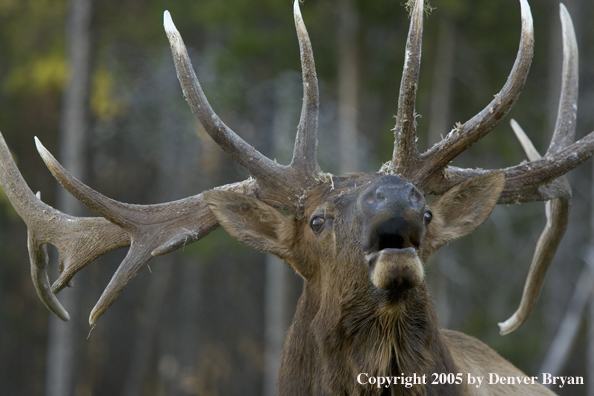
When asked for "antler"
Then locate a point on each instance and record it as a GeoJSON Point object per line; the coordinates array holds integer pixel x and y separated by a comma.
{"type": "Point", "coordinates": [303, 171]}
{"type": "Point", "coordinates": [429, 171]}
{"type": "Point", "coordinates": [406, 155]}
{"type": "Point", "coordinates": [540, 179]}
{"type": "Point", "coordinates": [557, 209]}
{"type": "Point", "coordinates": [154, 230]}
{"type": "Point", "coordinates": [463, 136]}
{"type": "Point", "coordinates": [79, 240]}
{"type": "Point", "coordinates": [524, 182]}
{"type": "Point", "coordinates": [557, 214]}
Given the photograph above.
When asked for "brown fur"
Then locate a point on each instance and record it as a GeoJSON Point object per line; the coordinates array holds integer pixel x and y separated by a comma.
{"type": "Point", "coordinates": [344, 324]}
{"type": "Point", "coordinates": [456, 214]}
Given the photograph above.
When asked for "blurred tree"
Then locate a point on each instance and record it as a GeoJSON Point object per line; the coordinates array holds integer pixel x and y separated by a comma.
{"type": "Point", "coordinates": [208, 336]}
{"type": "Point", "coordinates": [63, 358]}
{"type": "Point", "coordinates": [348, 87]}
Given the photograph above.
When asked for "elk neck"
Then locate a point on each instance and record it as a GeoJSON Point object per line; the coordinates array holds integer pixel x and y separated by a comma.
{"type": "Point", "coordinates": [338, 340]}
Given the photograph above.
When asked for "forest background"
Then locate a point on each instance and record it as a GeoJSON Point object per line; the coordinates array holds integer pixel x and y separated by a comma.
{"type": "Point", "coordinates": [94, 80]}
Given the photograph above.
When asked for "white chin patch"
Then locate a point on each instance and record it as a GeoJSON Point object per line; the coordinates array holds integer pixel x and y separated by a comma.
{"type": "Point", "coordinates": [393, 269]}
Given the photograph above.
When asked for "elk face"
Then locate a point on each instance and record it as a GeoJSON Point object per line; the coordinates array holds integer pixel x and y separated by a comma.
{"type": "Point", "coordinates": [364, 232]}
{"type": "Point", "coordinates": [394, 222]}
{"type": "Point", "coordinates": [368, 230]}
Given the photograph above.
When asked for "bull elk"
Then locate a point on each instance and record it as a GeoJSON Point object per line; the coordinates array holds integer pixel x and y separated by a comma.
{"type": "Point", "coordinates": [359, 241]}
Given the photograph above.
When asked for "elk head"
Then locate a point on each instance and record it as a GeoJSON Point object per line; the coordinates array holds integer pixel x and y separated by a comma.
{"type": "Point", "coordinates": [372, 231]}
{"type": "Point", "coordinates": [363, 234]}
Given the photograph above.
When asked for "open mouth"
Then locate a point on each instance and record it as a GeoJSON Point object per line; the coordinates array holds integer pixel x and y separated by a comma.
{"type": "Point", "coordinates": [392, 235]}
{"type": "Point", "coordinates": [391, 254]}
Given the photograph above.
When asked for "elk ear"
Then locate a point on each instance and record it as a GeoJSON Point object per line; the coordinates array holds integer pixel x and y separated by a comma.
{"type": "Point", "coordinates": [253, 223]}
{"type": "Point", "coordinates": [461, 210]}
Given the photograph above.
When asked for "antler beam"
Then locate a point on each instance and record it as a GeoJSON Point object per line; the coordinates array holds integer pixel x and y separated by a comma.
{"type": "Point", "coordinates": [557, 213]}
{"type": "Point", "coordinates": [540, 179]}
{"type": "Point", "coordinates": [436, 159]}
{"type": "Point", "coordinates": [524, 182]}
{"type": "Point", "coordinates": [557, 209]}
{"type": "Point", "coordinates": [406, 155]}
{"type": "Point", "coordinates": [79, 240]}
{"type": "Point", "coordinates": [154, 230]}
{"type": "Point", "coordinates": [303, 172]}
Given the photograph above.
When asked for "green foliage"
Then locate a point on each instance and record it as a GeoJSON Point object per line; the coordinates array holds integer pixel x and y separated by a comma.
{"type": "Point", "coordinates": [32, 33]}
{"type": "Point", "coordinates": [210, 248]}
{"type": "Point", "coordinates": [104, 102]}
{"type": "Point", "coordinates": [41, 74]}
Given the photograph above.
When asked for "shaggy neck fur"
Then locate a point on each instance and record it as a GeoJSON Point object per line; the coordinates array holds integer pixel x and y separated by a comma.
{"type": "Point", "coordinates": [326, 352]}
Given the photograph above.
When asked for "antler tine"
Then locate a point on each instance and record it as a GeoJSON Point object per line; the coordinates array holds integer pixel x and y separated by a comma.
{"type": "Point", "coordinates": [527, 182]}
{"type": "Point", "coordinates": [406, 154]}
{"type": "Point", "coordinates": [557, 214]}
{"type": "Point", "coordinates": [78, 240]}
{"type": "Point", "coordinates": [154, 229]}
{"type": "Point", "coordinates": [258, 165]}
{"type": "Point", "coordinates": [564, 134]}
{"type": "Point", "coordinates": [557, 210]}
{"type": "Point", "coordinates": [524, 182]}
{"type": "Point", "coordinates": [463, 136]}
{"type": "Point", "coordinates": [531, 151]}
{"type": "Point", "coordinates": [281, 185]}
{"type": "Point", "coordinates": [304, 155]}
{"type": "Point", "coordinates": [562, 143]}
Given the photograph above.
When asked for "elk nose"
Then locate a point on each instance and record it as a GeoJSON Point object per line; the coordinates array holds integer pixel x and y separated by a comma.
{"type": "Point", "coordinates": [393, 194]}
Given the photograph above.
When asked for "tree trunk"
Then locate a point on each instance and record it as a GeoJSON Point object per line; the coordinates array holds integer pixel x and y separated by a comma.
{"type": "Point", "coordinates": [348, 88]}
{"type": "Point", "coordinates": [590, 351]}
{"type": "Point", "coordinates": [589, 314]}
{"type": "Point", "coordinates": [564, 341]}
{"type": "Point", "coordinates": [62, 357]}
{"type": "Point", "coordinates": [145, 335]}
{"type": "Point", "coordinates": [440, 124]}
{"type": "Point", "coordinates": [443, 77]}
{"type": "Point", "coordinates": [282, 286]}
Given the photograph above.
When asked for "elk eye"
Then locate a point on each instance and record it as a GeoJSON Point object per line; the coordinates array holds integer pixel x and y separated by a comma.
{"type": "Point", "coordinates": [317, 223]}
{"type": "Point", "coordinates": [428, 217]}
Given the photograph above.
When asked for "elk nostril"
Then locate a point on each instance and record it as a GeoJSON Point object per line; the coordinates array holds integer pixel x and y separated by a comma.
{"type": "Point", "coordinates": [414, 195]}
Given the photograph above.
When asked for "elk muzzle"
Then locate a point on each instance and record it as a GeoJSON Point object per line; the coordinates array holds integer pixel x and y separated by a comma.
{"type": "Point", "coordinates": [395, 217]}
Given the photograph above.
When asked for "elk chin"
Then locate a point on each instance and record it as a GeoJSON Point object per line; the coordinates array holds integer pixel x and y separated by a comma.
{"type": "Point", "coordinates": [395, 270]}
